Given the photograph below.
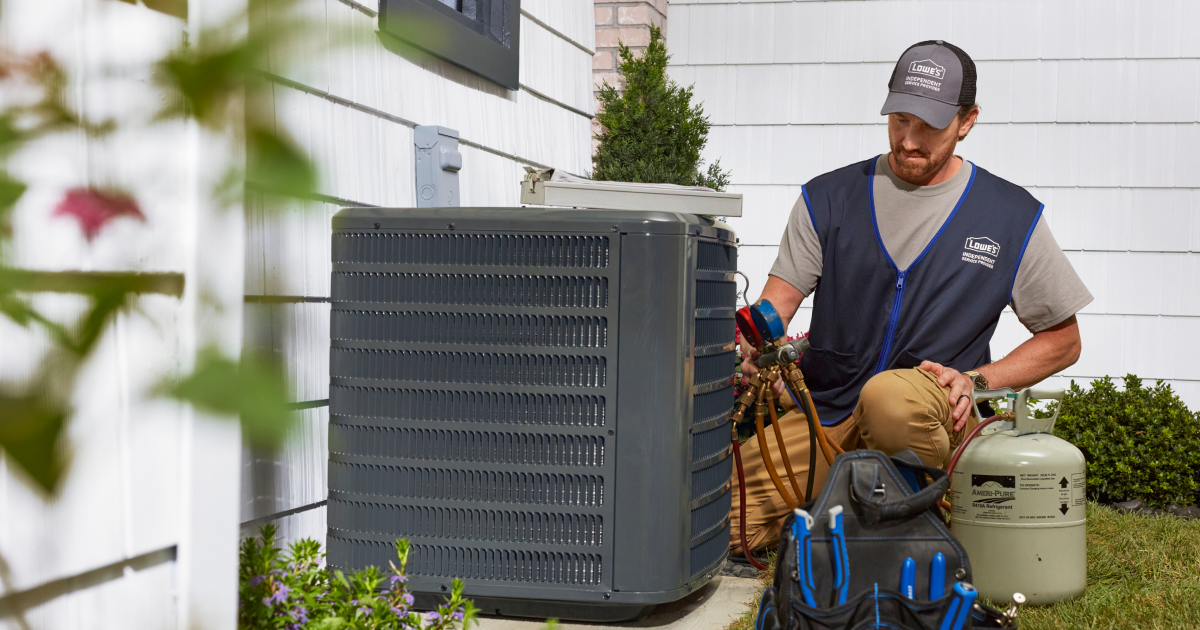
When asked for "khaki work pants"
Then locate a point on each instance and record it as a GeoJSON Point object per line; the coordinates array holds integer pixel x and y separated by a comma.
{"type": "Point", "coordinates": [897, 410]}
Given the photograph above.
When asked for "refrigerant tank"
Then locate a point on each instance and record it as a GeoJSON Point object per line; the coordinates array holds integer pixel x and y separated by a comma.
{"type": "Point", "coordinates": [1018, 497]}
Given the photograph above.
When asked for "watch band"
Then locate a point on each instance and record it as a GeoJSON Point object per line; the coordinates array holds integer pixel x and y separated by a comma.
{"type": "Point", "coordinates": [978, 379]}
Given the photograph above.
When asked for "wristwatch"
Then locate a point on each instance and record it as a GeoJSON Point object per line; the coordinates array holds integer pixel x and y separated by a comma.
{"type": "Point", "coordinates": [980, 380]}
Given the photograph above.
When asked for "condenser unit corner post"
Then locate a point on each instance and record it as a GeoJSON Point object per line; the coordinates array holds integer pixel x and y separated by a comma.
{"type": "Point", "coordinates": [537, 399]}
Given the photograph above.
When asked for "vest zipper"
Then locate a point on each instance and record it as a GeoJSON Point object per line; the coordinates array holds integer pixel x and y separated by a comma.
{"type": "Point", "coordinates": [893, 320]}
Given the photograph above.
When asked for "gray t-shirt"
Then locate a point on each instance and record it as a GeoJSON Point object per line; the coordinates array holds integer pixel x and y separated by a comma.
{"type": "Point", "coordinates": [1047, 290]}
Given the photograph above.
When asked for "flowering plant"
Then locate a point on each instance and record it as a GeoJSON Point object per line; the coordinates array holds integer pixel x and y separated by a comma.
{"type": "Point", "coordinates": [290, 591]}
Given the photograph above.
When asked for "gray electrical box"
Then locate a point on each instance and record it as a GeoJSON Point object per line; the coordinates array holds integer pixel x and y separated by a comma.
{"type": "Point", "coordinates": [538, 399]}
{"type": "Point", "coordinates": [438, 163]}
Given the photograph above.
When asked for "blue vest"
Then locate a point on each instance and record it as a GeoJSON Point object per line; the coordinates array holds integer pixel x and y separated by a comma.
{"type": "Point", "coordinates": [870, 316]}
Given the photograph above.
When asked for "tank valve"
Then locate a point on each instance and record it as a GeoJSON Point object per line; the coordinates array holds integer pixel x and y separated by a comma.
{"type": "Point", "coordinates": [1010, 615]}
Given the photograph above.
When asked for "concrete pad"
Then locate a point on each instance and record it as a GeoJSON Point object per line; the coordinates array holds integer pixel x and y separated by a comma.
{"type": "Point", "coordinates": [713, 607]}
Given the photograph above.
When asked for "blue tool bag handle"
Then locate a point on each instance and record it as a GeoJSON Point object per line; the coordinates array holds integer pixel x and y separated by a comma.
{"type": "Point", "coordinates": [869, 491]}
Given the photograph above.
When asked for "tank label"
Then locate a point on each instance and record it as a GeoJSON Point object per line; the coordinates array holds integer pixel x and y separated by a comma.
{"type": "Point", "coordinates": [1030, 497]}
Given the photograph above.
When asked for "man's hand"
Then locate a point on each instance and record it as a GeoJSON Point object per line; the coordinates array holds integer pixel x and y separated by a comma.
{"type": "Point", "coordinates": [960, 390]}
{"type": "Point", "coordinates": [749, 354]}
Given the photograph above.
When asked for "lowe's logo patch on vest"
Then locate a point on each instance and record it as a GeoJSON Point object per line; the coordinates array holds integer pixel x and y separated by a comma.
{"type": "Point", "coordinates": [981, 251]}
{"type": "Point", "coordinates": [983, 245]}
{"type": "Point", "coordinates": [927, 67]}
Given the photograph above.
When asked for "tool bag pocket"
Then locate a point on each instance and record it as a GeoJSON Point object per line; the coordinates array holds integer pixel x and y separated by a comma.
{"type": "Point", "coordinates": [889, 514]}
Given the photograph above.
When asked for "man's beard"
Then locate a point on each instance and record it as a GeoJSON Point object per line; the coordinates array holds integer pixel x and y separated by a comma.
{"type": "Point", "coordinates": [921, 169]}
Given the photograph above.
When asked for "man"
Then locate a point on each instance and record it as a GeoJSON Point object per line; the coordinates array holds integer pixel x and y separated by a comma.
{"type": "Point", "coordinates": [916, 253]}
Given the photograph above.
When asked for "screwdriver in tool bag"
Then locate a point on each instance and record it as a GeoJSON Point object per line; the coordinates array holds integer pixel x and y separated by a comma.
{"type": "Point", "coordinates": [908, 578]}
{"type": "Point", "coordinates": [937, 577]}
{"type": "Point", "coordinates": [960, 607]}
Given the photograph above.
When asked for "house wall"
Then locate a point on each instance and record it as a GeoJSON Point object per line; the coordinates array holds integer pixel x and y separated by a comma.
{"type": "Point", "coordinates": [354, 110]}
{"type": "Point", "coordinates": [1092, 106]}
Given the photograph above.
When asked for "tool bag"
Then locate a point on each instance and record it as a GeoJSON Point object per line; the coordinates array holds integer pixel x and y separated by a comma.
{"type": "Point", "coordinates": [889, 513]}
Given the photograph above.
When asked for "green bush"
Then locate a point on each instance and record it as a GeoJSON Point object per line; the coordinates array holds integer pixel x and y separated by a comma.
{"type": "Point", "coordinates": [290, 591]}
{"type": "Point", "coordinates": [652, 133]}
{"type": "Point", "coordinates": [1140, 443]}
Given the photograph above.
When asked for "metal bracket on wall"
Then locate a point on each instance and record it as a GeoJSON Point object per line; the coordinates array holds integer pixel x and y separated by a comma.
{"type": "Point", "coordinates": [438, 162]}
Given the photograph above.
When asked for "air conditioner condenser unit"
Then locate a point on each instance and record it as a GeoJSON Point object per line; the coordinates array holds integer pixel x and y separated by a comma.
{"type": "Point", "coordinates": [537, 399]}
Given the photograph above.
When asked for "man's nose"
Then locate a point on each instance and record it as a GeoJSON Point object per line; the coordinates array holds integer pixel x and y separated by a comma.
{"type": "Point", "coordinates": [909, 142]}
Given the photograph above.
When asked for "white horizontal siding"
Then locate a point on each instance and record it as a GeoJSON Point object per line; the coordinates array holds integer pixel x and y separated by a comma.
{"type": "Point", "coordinates": [423, 89]}
{"type": "Point", "coordinates": [574, 19]}
{"type": "Point", "coordinates": [1093, 106]}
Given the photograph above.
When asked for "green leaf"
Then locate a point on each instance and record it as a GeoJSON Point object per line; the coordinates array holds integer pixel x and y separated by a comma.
{"type": "Point", "coordinates": [251, 389]}
{"type": "Point", "coordinates": [10, 191]}
{"type": "Point", "coordinates": [277, 165]}
{"type": "Point", "coordinates": [29, 434]}
{"type": "Point", "coordinates": [209, 80]}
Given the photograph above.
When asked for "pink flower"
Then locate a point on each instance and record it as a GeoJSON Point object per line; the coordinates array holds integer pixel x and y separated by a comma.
{"type": "Point", "coordinates": [94, 209]}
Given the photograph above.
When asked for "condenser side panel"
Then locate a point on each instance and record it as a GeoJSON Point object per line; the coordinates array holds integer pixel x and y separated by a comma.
{"type": "Point", "coordinates": [654, 380]}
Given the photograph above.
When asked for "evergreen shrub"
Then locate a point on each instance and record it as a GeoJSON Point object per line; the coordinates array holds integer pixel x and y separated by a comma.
{"type": "Point", "coordinates": [1140, 442]}
{"type": "Point", "coordinates": [652, 133]}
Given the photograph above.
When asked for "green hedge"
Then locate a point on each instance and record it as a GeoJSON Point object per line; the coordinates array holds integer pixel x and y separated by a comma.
{"type": "Point", "coordinates": [1140, 442]}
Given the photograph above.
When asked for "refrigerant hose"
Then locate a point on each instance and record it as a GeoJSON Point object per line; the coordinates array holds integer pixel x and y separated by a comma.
{"type": "Point", "coordinates": [760, 413]}
{"type": "Point", "coordinates": [967, 440]}
{"type": "Point", "coordinates": [737, 458]}
{"type": "Point", "coordinates": [828, 448]}
{"type": "Point", "coordinates": [801, 499]}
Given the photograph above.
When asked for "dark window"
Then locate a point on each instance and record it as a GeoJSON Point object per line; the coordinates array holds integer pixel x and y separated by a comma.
{"type": "Point", "coordinates": [482, 36]}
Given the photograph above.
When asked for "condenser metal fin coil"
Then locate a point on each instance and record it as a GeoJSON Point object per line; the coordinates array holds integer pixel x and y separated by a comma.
{"type": "Point", "coordinates": [537, 399]}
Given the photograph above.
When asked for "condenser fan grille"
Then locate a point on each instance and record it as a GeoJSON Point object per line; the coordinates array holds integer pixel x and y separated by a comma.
{"type": "Point", "coordinates": [712, 402]}
{"type": "Point", "coordinates": [437, 383]}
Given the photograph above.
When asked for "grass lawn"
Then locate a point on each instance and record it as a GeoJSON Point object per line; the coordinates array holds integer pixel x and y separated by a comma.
{"type": "Point", "coordinates": [1143, 572]}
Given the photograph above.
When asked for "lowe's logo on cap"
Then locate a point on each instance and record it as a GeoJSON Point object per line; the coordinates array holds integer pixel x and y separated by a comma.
{"type": "Point", "coordinates": [927, 67]}
{"type": "Point", "coordinates": [983, 245]}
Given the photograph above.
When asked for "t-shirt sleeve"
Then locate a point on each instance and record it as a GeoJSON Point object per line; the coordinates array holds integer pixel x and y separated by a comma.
{"type": "Point", "coordinates": [799, 259]}
{"type": "Point", "coordinates": [1047, 290]}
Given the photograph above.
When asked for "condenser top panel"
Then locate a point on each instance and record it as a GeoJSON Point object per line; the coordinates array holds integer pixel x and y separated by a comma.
{"type": "Point", "coordinates": [590, 220]}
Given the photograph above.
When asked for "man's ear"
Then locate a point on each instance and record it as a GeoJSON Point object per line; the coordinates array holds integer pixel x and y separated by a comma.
{"type": "Point", "coordinates": [968, 123]}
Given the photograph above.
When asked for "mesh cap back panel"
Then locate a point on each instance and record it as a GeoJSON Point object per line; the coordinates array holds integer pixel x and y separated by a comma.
{"type": "Point", "coordinates": [470, 400]}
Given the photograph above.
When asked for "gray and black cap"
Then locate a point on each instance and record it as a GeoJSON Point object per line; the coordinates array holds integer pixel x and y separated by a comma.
{"type": "Point", "coordinates": [931, 81]}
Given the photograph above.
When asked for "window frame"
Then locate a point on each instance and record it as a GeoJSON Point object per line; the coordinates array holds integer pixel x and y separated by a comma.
{"type": "Point", "coordinates": [446, 33]}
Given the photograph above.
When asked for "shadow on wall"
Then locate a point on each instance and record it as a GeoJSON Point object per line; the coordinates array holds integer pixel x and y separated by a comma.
{"type": "Point", "coordinates": [443, 68]}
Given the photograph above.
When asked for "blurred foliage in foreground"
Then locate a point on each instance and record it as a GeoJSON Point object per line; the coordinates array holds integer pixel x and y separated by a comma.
{"type": "Point", "coordinates": [214, 81]}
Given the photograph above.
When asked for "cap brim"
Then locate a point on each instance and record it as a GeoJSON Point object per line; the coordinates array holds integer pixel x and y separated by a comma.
{"type": "Point", "coordinates": [935, 113]}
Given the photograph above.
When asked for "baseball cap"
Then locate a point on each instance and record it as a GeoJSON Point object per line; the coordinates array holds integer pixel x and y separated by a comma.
{"type": "Point", "coordinates": [931, 81]}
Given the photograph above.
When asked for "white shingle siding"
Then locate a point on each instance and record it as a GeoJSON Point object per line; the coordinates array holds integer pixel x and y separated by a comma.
{"type": "Point", "coordinates": [1093, 106]}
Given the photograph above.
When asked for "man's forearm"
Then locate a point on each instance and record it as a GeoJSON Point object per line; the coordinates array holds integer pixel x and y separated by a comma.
{"type": "Point", "coordinates": [1047, 353]}
{"type": "Point", "coordinates": [784, 297]}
